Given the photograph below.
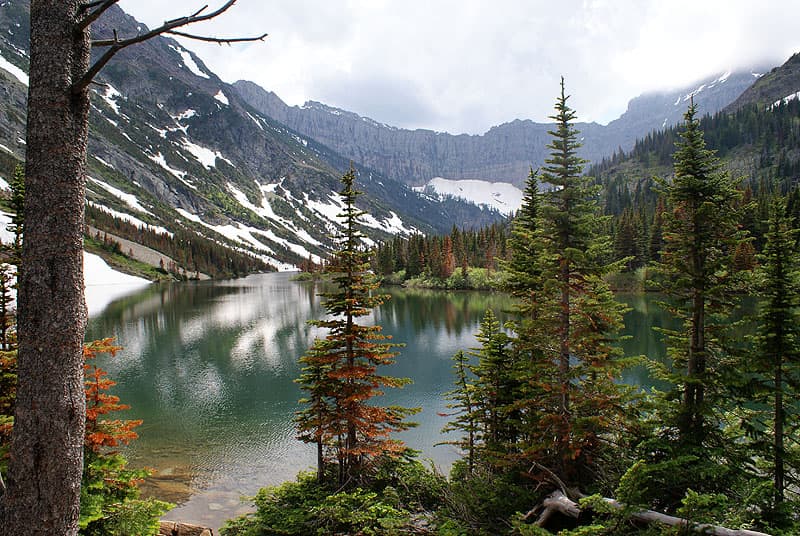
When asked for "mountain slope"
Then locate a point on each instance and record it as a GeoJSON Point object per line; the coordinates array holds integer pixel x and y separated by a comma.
{"type": "Point", "coordinates": [504, 153]}
{"type": "Point", "coordinates": [780, 83]}
{"type": "Point", "coordinates": [757, 139]}
{"type": "Point", "coordinates": [175, 155]}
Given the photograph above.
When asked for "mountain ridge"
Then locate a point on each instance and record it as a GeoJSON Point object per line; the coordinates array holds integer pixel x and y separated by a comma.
{"type": "Point", "coordinates": [504, 152]}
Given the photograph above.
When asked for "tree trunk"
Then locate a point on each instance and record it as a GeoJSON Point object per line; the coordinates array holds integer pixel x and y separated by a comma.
{"type": "Point", "coordinates": [778, 432]}
{"type": "Point", "coordinates": [43, 488]}
{"type": "Point", "coordinates": [557, 502]}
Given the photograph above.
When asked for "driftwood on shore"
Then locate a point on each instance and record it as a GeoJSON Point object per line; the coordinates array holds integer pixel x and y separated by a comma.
{"type": "Point", "coordinates": [173, 528]}
{"type": "Point", "coordinates": [558, 502]}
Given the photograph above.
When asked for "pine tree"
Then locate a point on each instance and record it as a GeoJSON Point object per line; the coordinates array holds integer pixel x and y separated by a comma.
{"type": "Point", "coordinates": [522, 271]}
{"type": "Point", "coordinates": [774, 365]}
{"type": "Point", "coordinates": [568, 361]}
{"type": "Point", "coordinates": [465, 418]}
{"type": "Point", "coordinates": [18, 217]}
{"type": "Point", "coordinates": [700, 236]}
{"type": "Point", "coordinates": [340, 371]}
{"type": "Point", "coordinates": [496, 388]}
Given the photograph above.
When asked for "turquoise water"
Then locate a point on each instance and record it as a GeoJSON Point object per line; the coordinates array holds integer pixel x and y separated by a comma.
{"type": "Point", "coordinates": [210, 366]}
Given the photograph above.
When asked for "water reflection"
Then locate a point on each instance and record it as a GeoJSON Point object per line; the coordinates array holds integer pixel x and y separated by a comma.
{"type": "Point", "coordinates": [210, 369]}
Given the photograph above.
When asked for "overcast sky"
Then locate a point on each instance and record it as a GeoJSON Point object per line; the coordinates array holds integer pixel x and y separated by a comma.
{"type": "Point", "coordinates": [466, 65]}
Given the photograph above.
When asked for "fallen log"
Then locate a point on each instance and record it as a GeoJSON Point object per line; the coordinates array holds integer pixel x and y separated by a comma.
{"type": "Point", "coordinates": [173, 528]}
{"type": "Point", "coordinates": [557, 502]}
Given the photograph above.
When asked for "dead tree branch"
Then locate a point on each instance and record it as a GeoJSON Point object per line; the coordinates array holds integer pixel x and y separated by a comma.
{"type": "Point", "coordinates": [221, 41]}
{"type": "Point", "coordinates": [101, 5]}
{"type": "Point", "coordinates": [559, 502]}
{"type": "Point", "coordinates": [115, 45]}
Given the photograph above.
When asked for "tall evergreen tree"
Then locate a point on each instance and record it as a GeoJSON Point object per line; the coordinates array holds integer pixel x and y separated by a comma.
{"type": "Point", "coordinates": [700, 235]}
{"type": "Point", "coordinates": [496, 388]}
{"type": "Point", "coordinates": [340, 371]}
{"type": "Point", "coordinates": [774, 366]}
{"type": "Point", "coordinates": [522, 272]}
{"type": "Point", "coordinates": [569, 396]}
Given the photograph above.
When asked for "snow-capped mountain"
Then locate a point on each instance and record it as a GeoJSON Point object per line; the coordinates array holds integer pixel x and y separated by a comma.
{"type": "Point", "coordinates": [176, 156]}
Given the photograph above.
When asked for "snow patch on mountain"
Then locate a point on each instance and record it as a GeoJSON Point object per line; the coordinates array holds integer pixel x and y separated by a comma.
{"type": "Point", "coordinates": [103, 284]}
{"type": "Point", "coordinates": [206, 156]}
{"type": "Point", "coordinates": [392, 225]}
{"type": "Point", "coordinates": [159, 159]}
{"type": "Point", "coordinates": [129, 199]}
{"type": "Point", "coordinates": [785, 100]}
{"type": "Point", "coordinates": [110, 96]}
{"type": "Point", "coordinates": [220, 96]}
{"type": "Point", "coordinates": [133, 220]}
{"type": "Point", "coordinates": [15, 71]}
{"type": "Point", "coordinates": [266, 212]}
{"type": "Point", "coordinates": [189, 62]}
{"type": "Point", "coordinates": [246, 235]}
{"type": "Point", "coordinates": [501, 196]}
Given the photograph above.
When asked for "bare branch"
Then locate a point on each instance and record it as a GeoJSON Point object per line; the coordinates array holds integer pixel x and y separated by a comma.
{"type": "Point", "coordinates": [115, 45]}
{"type": "Point", "coordinates": [101, 5]}
{"type": "Point", "coordinates": [220, 40]}
{"type": "Point", "coordinates": [89, 5]}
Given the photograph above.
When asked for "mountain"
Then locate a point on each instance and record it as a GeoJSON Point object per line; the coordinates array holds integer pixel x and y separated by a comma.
{"type": "Point", "coordinates": [780, 83]}
{"type": "Point", "coordinates": [504, 153]}
{"type": "Point", "coordinates": [180, 162]}
{"type": "Point", "coordinates": [757, 139]}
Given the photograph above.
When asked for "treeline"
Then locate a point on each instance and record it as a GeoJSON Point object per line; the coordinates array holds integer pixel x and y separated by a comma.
{"type": "Point", "coordinates": [441, 256]}
{"type": "Point", "coordinates": [767, 138]}
{"type": "Point", "coordinates": [759, 145]}
{"type": "Point", "coordinates": [189, 250]}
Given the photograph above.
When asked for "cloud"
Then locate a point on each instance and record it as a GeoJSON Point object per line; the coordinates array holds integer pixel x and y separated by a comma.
{"type": "Point", "coordinates": [464, 66]}
{"type": "Point", "coordinates": [396, 102]}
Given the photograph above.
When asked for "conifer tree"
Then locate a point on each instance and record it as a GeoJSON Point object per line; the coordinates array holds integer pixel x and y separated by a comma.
{"type": "Point", "coordinates": [774, 366]}
{"type": "Point", "coordinates": [341, 371]}
{"type": "Point", "coordinates": [700, 236]}
{"type": "Point", "coordinates": [568, 394]}
{"type": "Point", "coordinates": [18, 218]}
{"type": "Point", "coordinates": [522, 271]}
{"type": "Point", "coordinates": [463, 399]}
{"type": "Point", "coordinates": [496, 388]}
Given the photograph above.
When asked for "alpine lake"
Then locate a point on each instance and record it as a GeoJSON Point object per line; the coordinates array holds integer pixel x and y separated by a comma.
{"type": "Point", "coordinates": [210, 368]}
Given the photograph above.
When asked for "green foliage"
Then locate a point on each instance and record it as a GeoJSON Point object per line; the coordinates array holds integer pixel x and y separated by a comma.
{"type": "Point", "coordinates": [700, 235]}
{"type": "Point", "coordinates": [401, 489]}
{"type": "Point", "coordinates": [359, 512]}
{"type": "Point", "coordinates": [446, 262]}
{"type": "Point", "coordinates": [566, 317]}
{"type": "Point", "coordinates": [110, 503]}
{"type": "Point", "coordinates": [480, 501]}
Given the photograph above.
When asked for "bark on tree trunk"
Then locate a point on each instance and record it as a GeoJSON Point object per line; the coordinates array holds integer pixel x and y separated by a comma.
{"type": "Point", "coordinates": [43, 488]}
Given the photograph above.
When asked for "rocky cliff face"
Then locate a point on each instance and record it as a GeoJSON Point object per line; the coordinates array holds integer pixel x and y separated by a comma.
{"type": "Point", "coordinates": [504, 153]}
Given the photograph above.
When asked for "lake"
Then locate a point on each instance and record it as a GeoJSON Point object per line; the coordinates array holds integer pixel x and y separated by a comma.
{"type": "Point", "coordinates": [210, 368]}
